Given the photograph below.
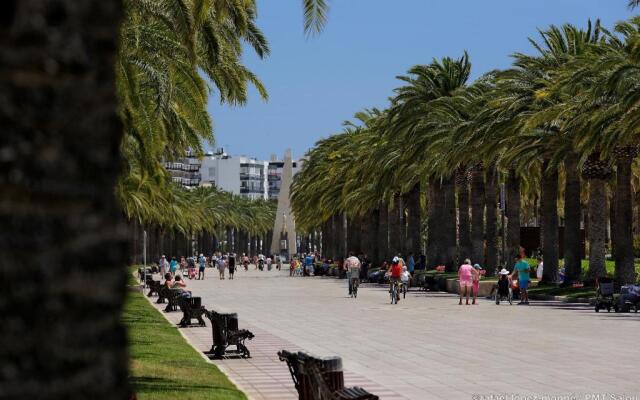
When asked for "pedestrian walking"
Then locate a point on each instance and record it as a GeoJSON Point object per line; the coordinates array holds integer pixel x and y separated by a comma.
{"type": "Point", "coordinates": [232, 266]}
{"type": "Point", "coordinates": [173, 266]}
{"type": "Point", "coordinates": [203, 263]}
{"type": "Point", "coordinates": [465, 277]}
{"type": "Point", "coordinates": [221, 265]}
{"type": "Point", "coordinates": [163, 264]}
{"type": "Point", "coordinates": [522, 270]}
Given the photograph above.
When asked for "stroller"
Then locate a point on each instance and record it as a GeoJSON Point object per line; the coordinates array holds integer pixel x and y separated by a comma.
{"type": "Point", "coordinates": [504, 290]}
{"type": "Point", "coordinates": [629, 298]}
{"type": "Point", "coordinates": [604, 294]}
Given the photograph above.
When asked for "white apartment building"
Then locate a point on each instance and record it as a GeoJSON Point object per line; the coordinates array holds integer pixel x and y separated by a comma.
{"type": "Point", "coordinates": [244, 176]}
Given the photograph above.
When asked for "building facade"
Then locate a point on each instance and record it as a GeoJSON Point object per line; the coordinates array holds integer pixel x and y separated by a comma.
{"type": "Point", "coordinates": [240, 175]}
{"type": "Point", "coordinates": [185, 171]}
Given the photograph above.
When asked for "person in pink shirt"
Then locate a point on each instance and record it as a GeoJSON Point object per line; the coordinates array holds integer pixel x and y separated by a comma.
{"type": "Point", "coordinates": [466, 273]}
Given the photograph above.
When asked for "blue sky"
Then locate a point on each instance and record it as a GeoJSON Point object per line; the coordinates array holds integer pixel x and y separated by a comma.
{"type": "Point", "coordinates": [316, 83]}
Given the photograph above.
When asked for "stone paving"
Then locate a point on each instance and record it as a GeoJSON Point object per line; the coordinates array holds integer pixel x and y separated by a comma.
{"type": "Point", "coordinates": [425, 347]}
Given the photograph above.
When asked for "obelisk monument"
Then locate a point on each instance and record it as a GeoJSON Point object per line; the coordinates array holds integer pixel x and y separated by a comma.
{"type": "Point", "coordinates": [284, 226]}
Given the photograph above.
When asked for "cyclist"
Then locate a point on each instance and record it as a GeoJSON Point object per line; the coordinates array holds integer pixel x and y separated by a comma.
{"type": "Point", "coordinates": [352, 265]}
{"type": "Point", "coordinates": [395, 271]}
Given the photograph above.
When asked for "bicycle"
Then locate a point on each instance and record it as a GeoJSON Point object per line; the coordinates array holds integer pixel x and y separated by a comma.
{"type": "Point", "coordinates": [403, 288]}
{"type": "Point", "coordinates": [354, 287]}
{"type": "Point", "coordinates": [394, 292]}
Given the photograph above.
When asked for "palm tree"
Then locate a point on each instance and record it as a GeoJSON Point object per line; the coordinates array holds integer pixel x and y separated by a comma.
{"type": "Point", "coordinates": [58, 203]}
{"type": "Point", "coordinates": [410, 111]}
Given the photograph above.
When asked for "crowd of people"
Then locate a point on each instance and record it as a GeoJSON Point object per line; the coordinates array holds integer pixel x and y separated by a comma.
{"type": "Point", "coordinates": [355, 268]}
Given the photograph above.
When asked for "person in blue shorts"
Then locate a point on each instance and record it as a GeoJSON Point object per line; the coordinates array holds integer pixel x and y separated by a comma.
{"type": "Point", "coordinates": [522, 269]}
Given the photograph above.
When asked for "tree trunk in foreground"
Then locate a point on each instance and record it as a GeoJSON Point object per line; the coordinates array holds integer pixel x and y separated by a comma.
{"type": "Point", "coordinates": [464, 238]}
{"type": "Point", "coordinates": [597, 227]}
{"type": "Point", "coordinates": [449, 224]}
{"type": "Point", "coordinates": [477, 215]}
{"type": "Point", "coordinates": [513, 218]}
{"type": "Point", "coordinates": [434, 222]}
{"type": "Point", "coordinates": [63, 236]}
{"type": "Point", "coordinates": [414, 222]}
{"type": "Point", "coordinates": [491, 230]}
{"type": "Point", "coordinates": [549, 231]}
{"type": "Point", "coordinates": [572, 213]}
{"type": "Point", "coordinates": [625, 268]}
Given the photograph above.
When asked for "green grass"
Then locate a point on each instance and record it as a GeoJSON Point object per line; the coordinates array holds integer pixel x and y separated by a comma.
{"type": "Point", "coordinates": [609, 264]}
{"type": "Point", "coordinates": [163, 364]}
{"type": "Point", "coordinates": [568, 292]}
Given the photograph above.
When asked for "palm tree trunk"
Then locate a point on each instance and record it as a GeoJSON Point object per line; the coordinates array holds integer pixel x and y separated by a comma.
{"type": "Point", "coordinates": [395, 235]}
{"type": "Point", "coordinates": [383, 233]}
{"type": "Point", "coordinates": [63, 235]}
{"type": "Point", "coordinates": [491, 195]}
{"type": "Point", "coordinates": [371, 248]}
{"type": "Point", "coordinates": [549, 231]}
{"type": "Point", "coordinates": [597, 227]}
{"type": "Point", "coordinates": [449, 224]}
{"type": "Point", "coordinates": [434, 219]}
{"type": "Point", "coordinates": [625, 268]}
{"type": "Point", "coordinates": [464, 238]}
{"type": "Point", "coordinates": [477, 215]}
{"type": "Point", "coordinates": [572, 214]}
{"type": "Point", "coordinates": [513, 217]}
{"type": "Point", "coordinates": [414, 223]}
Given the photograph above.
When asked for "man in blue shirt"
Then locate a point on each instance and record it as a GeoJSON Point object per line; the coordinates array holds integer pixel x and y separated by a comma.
{"type": "Point", "coordinates": [522, 269]}
{"type": "Point", "coordinates": [412, 263]}
{"type": "Point", "coordinates": [308, 264]}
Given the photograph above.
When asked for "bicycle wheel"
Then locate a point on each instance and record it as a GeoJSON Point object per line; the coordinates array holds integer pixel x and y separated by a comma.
{"type": "Point", "coordinates": [355, 290]}
{"type": "Point", "coordinates": [404, 291]}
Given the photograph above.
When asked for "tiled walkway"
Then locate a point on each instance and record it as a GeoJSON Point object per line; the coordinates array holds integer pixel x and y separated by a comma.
{"type": "Point", "coordinates": [426, 347]}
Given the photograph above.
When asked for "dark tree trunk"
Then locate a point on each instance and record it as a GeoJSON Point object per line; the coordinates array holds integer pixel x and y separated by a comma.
{"type": "Point", "coordinates": [383, 233]}
{"type": "Point", "coordinates": [513, 217]}
{"type": "Point", "coordinates": [464, 238]}
{"type": "Point", "coordinates": [572, 215]}
{"type": "Point", "coordinates": [63, 236]}
{"type": "Point", "coordinates": [414, 225]}
{"type": "Point", "coordinates": [395, 237]}
{"type": "Point", "coordinates": [449, 224]}
{"type": "Point", "coordinates": [612, 222]}
{"type": "Point", "coordinates": [597, 227]}
{"type": "Point", "coordinates": [370, 246]}
{"type": "Point", "coordinates": [477, 215]}
{"type": "Point", "coordinates": [549, 231]}
{"type": "Point", "coordinates": [342, 235]}
{"type": "Point", "coordinates": [625, 268]}
{"type": "Point", "coordinates": [491, 232]}
{"type": "Point", "coordinates": [434, 233]}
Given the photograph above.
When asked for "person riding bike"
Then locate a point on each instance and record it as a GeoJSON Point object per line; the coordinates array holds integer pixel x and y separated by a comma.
{"type": "Point", "coordinates": [352, 265]}
{"type": "Point", "coordinates": [395, 271]}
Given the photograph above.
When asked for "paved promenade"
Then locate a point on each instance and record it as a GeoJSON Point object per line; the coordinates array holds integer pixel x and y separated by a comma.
{"type": "Point", "coordinates": [426, 347]}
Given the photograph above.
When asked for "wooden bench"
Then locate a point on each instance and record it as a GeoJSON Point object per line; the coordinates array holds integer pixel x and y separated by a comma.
{"type": "Point", "coordinates": [154, 287]}
{"type": "Point", "coordinates": [320, 378]}
{"type": "Point", "coordinates": [224, 327]}
{"type": "Point", "coordinates": [172, 296]}
{"type": "Point", "coordinates": [191, 309]}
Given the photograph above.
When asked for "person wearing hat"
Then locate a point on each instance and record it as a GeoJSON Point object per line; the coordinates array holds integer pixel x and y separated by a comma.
{"type": "Point", "coordinates": [164, 265]}
{"type": "Point", "coordinates": [466, 274]}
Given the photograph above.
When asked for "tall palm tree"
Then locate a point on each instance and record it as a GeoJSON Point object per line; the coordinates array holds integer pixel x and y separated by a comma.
{"type": "Point", "coordinates": [58, 204]}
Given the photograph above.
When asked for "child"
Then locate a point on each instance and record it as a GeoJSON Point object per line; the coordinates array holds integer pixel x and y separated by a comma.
{"type": "Point", "coordinates": [405, 276]}
{"type": "Point", "coordinates": [476, 281]}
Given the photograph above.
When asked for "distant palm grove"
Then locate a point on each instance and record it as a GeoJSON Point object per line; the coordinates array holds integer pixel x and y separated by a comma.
{"type": "Point", "coordinates": [557, 132]}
